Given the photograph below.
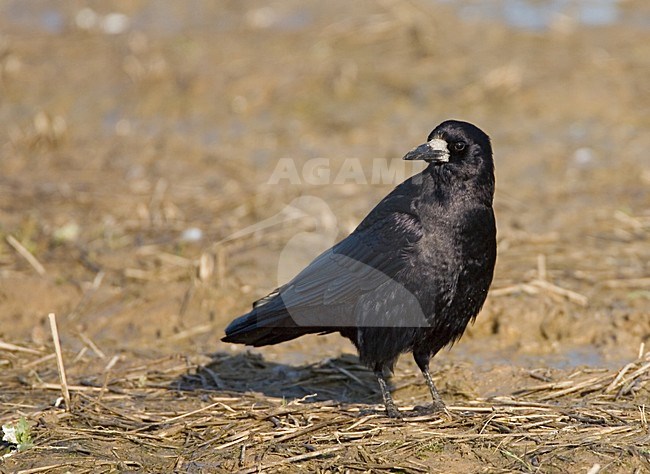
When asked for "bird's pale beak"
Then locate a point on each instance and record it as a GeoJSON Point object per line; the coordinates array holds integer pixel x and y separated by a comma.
{"type": "Point", "coordinates": [434, 151]}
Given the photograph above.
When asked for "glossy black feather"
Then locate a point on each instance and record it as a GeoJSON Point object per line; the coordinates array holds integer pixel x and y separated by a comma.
{"type": "Point", "coordinates": [410, 277]}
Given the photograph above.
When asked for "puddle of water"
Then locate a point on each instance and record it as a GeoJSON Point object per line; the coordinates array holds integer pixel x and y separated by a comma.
{"type": "Point", "coordinates": [162, 17]}
{"type": "Point", "coordinates": [47, 18]}
{"type": "Point", "coordinates": [569, 359]}
{"type": "Point", "coordinates": [540, 15]}
{"type": "Point", "coordinates": [165, 17]}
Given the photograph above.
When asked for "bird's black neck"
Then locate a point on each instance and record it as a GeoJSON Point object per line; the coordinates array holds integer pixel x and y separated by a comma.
{"type": "Point", "coordinates": [458, 181]}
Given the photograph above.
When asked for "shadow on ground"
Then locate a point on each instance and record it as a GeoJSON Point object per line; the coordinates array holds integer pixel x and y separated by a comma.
{"type": "Point", "coordinates": [340, 379]}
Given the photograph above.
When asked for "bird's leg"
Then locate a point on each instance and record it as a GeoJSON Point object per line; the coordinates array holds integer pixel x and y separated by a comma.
{"type": "Point", "coordinates": [423, 363]}
{"type": "Point", "coordinates": [391, 410]}
{"type": "Point", "coordinates": [438, 404]}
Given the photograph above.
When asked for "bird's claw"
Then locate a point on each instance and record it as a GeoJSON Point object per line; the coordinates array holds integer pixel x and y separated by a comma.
{"type": "Point", "coordinates": [393, 412]}
{"type": "Point", "coordinates": [441, 409]}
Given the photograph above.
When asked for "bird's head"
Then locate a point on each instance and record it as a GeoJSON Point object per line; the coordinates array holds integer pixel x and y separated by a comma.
{"type": "Point", "coordinates": [455, 143]}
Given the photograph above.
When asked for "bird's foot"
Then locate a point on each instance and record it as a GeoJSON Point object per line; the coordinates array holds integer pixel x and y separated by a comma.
{"type": "Point", "coordinates": [393, 412]}
{"type": "Point", "coordinates": [441, 409]}
{"type": "Point", "coordinates": [434, 409]}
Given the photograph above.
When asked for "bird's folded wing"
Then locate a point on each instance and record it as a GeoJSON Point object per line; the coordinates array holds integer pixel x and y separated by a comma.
{"type": "Point", "coordinates": [377, 252]}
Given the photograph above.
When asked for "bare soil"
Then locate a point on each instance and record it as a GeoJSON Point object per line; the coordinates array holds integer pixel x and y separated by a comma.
{"type": "Point", "coordinates": [138, 151]}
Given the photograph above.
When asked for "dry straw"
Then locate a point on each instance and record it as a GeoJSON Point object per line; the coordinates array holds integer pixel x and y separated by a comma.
{"type": "Point", "coordinates": [229, 414]}
{"type": "Point", "coordinates": [59, 361]}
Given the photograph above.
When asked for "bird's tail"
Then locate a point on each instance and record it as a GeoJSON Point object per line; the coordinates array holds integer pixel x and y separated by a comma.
{"type": "Point", "coordinates": [269, 322]}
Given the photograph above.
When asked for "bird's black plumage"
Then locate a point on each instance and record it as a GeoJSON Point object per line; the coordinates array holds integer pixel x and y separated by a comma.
{"type": "Point", "coordinates": [410, 277]}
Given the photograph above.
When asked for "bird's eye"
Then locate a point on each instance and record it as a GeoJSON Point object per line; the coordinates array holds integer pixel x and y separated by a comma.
{"type": "Point", "coordinates": [459, 146]}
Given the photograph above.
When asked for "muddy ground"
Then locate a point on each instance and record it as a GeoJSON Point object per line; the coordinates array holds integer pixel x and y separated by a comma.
{"type": "Point", "coordinates": [139, 155]}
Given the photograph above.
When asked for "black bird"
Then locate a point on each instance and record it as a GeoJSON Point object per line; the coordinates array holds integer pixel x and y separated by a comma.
{"type": "Point", "coordinates": [411, 275]}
